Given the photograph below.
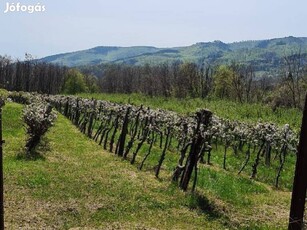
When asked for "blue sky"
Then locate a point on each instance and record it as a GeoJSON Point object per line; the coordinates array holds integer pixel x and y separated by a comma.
{"type": "Point", "coordinates": [71, 25]}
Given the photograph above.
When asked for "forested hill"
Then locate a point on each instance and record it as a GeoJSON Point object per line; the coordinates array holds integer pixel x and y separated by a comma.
{"type": "Point", "coordinates": [264, 55]}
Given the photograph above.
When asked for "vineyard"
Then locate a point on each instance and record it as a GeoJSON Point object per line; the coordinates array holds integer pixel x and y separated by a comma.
{"type": "Point", "coordinates": [181, 144]}
{"type": "Point", "coordinates": [148, 115]}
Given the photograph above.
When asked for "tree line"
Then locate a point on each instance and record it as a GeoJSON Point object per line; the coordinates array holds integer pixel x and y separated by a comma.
{"type": "Point", "coordinates": [32, 75]}
{"type": "Point", "coordinates": [181, 80]}
{"type": "Point", "coordinates": [234, 81]}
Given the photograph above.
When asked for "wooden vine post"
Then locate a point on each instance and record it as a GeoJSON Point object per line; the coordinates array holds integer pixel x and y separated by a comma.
{"type": "Point", "coordinates": [1, 169]}
{"type": "Point", "coordinates": [122, 137]}
{"type": "Point", "coordinates": [296, 219]}
{"type": "Point", "coordinates": [203, 117]}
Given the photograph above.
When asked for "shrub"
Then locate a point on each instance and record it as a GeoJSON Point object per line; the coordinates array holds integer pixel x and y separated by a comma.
{"type": "Point", "coordinates": [38, 118]}
{"type": "Point", "coordinates": [3, 93]}
{"type": "Point", "coordinates": [74, 82]}
{"type": "Point", "coordinates": [20, 97]}
{"type": "Point", "coordinates": [3, 96]}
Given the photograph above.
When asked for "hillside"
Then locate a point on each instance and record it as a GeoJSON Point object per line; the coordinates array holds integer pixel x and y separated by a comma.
{"type": "Point", "coordinates": [98, 55]}
{"type": "Point", "coordinates": [76, 184]}
{"type": "Point", "coordinates": [264, 55]}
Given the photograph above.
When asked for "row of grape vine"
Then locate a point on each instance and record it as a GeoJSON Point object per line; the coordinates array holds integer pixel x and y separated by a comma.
{"type": "Point", "coordinates": [126, 129]}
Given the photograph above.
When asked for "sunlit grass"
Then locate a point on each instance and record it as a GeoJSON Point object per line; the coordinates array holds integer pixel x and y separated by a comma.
{"type": "Point", "coordinates": [77, 184]}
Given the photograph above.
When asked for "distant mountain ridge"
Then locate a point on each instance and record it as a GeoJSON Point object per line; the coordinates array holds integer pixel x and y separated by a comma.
{"type": "Point", "coordinates": [264, 55]}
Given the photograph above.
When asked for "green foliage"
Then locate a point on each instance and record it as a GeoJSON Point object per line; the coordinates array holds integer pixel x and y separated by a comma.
{"type": "Point", "coordinates": [74, 82]}
{"type": "Point", "coordinates": [91, 83]}
{"type": "Point", "coordinates": [223, 82]}
{"type": "Point", "coordinates": [3, 96]}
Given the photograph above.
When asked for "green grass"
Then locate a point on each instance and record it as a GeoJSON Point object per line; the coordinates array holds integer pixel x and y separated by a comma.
{"type": "Point", "coordinates": [76, 184]}
{"type": "Point", "coordinates": [223, 108]}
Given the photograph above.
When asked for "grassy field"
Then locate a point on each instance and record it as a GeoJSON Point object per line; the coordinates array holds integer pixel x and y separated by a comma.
{"type": "Point", "coordinates": [75, 184]}
{"type": "Point", "coordinates": [223, 108]}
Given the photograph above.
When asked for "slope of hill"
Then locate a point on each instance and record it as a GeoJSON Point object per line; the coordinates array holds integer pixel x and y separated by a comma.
{"type": "Point", "coordinates": [100, 54]}
{"type": "Point", "coordinates": [265, 55]}
{"type": "Point", "coordinates": [76, 184]}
